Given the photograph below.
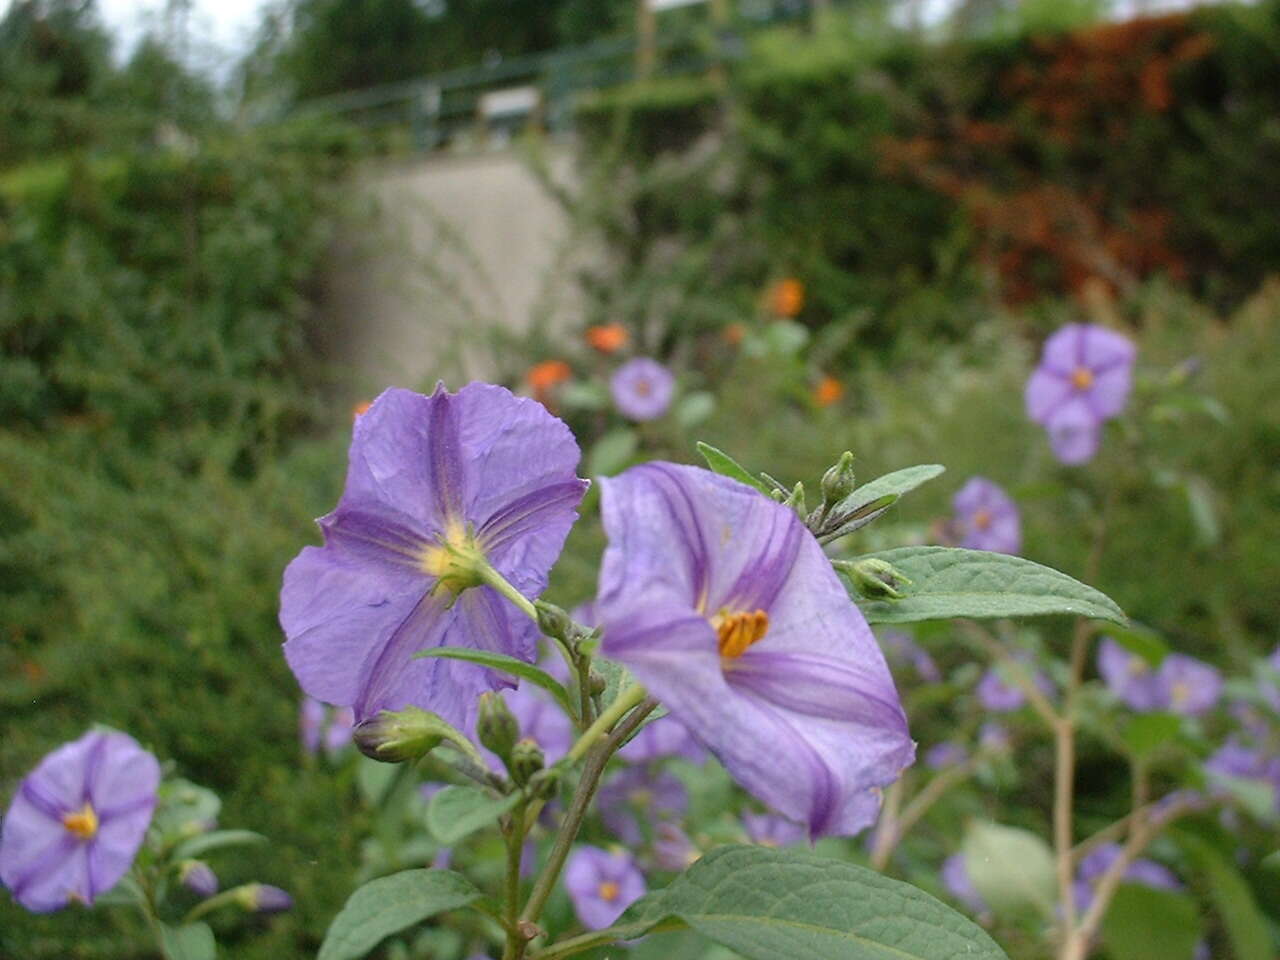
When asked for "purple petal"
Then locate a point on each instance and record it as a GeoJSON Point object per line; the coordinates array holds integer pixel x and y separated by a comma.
{"type": "Point", "coordinates": [591, 873]}
{"type": "Point", "coordinates": [1129, 677]}
{"type": "Point", "coordinates": [1110, 390]}
{"type": "Point", "coordinates": [1074, 432]}
{"type": "Point", "coordinates": [1102, 348]}
{"type": "Point", "coordinates": [1046, 392]}
{"type": "Point", "coordinates": [1064, 351]}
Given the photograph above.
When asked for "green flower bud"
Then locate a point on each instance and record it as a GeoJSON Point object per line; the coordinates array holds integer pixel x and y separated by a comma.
{"type": "Point", "coordinates": [596, 683]}
{"type": "Point", "coordinates": [396, 737]}
{"type": "Point", "coordinates": [796, 500]}
{"type": "Point", "coordinates": [838, 482]}
{"type": "Point", "coordinates": [527, 759]}
{"type": "Point", "coordinates": [497, 726]}
{"type": "Point", "coordinates": [874, 579]}
{"type": "Point", "coordinates": [553, 621]}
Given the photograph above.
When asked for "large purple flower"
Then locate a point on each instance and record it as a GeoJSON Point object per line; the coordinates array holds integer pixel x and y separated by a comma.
{"type": "Point", "coordinates": [1084, 378]}
{"type": "Point", "coordinates": [435, 486]}
{"type": "Point", "coordinates": [77, 821]}
{"type": "Point", "coordinates": [723, 605]}
{"type": "Point", "coordinates": [986, 518]}
{"type": "Point", "coordinates": [642, 389]}
{"type": "Point", "coordinates": [601, 885]}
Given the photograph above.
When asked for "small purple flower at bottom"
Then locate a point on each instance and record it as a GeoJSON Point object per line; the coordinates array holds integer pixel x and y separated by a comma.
{"type": "Point", "coordinates": [642, 389]}
{"type": "Point", "coordinates": [771, 830]}
{"type": "Point", "coordinates": [1129, 677]}
{"type": "Point", "coordinates": [672, 848]}
{"type": "Point", "coordinates": [602, 885]}
{"type": "Point", "coordinates": [1188, 685]}
{"type": "Point", "coordinates": [1083, 379]}
{"type": "Point", "coordinates": [1098, 861]}
{"type": "Point", "coordinates": [1002, 695]}
{"type": "Point", "coordinates": [635, 793]}
{"type": "Point", "coordinates": [955, 877]}
{"type": "Point", "coordinates": [77, 821]}
{"type": "Point", "coordinates": [723, 605]}
{"type": "Point", "coordinates": [946, 754]}
{"type": "Point", "coordinates": [986, 518]}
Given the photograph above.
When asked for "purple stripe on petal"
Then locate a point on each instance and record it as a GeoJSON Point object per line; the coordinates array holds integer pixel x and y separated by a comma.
{"type": "Point", "coordinates": [815, 686]}
{"type": "Point", "coordinates": [145, 802]}
{"type": "Point", "coordinates": [391, 660]}
{"type": "Point", "coordinates": [44, 863]}
{"type": "Point", "coordinates": [36, 796]}
{"type": "Point", "coordinates": [446, 455]}
{"type": "Point", "coordinates": [525, 515]}
{"type": "Point", "coordinates": [376, 533]}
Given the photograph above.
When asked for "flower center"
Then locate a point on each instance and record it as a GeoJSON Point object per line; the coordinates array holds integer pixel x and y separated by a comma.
{"type": "Point", "coordinates": [982, 519]}
{"type": "Point", "coordinates": [642, 388]}
{"type": "Point", "coordinates": [1082, 378]}
{"type": "Point", "coordinates": [455, 560]}
{"type": "Point", "coordinates": [608, 891]}
{"type": "Point", "coordinates": [1179, 694]}
{"type": "Point", "coordinates": [1137, 666]}
{"type": "Point", "coordinates": [737, 631]}
{"type": "Point", "coordinates": [83, 823]}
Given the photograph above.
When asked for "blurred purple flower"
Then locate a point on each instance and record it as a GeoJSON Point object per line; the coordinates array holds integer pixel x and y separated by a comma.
{"type": "Point", "coordinates": [664, 737]}
{"type": "Point", "coordinates": [1098, 861]}
{"type": "Point", "coordinates": [899, 648]}
{"type": "Point", "coordinates": [1187, 685]}
{"type": "Point", "coordinates": [771, 830]}
{"type": "Point", "coordinates": [634, 794]}
{"type": "Point", "coordinates": [672, 848]}
{"type": "Point", "coordinates": [601, 885]}
{"type": "Point", "coordinates": [994, 737]}
{"type": "Point", "coordinates": [264, 898]}
{"type": "Point", "coordinates": [1235, 759]}
{"type": "Point", "coordinates": [986, 518]}
{"type": "Point", "coordinates": [1084, 378]}
{"type": "Point", "coordinates": [642, 389]}
{"type": "Point", "coordinates": [1001, 696]}
{"type": "Point", "coordinates": [77, 821]}
{"type": "Point", "coordinates": [724, 606]}
{"type": "Point", "coordinates": [945, 754]}
{"type": "Point", "coordinates": [338, 734]}
{"type": "Point", "coordinates": [311, 716]}
{"type": "Point", "coordinates": [955, 877]}
{"type": "Point", "coordinates": [1129, 677]}
{"type": "Point", "coordinates": [434, 485]}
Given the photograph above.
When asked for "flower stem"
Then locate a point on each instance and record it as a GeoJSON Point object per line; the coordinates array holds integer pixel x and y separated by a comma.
{"type": "Point", "coordinates": [500, 583]}
{"type": "Point", "coordinates": [627, 699]}
{"type": "Point", "coordinates": [514, 836]}
{"type": "Point", "coordinates": [213, 903]}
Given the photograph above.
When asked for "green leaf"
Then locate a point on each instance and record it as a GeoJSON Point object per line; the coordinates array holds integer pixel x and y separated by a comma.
{"type": "Point", "coordinates": [1012, 868]}
{"type": "Point", "coordinates": [192, 941]}
{"type": "Point", "coordinates": [185, 810]}
{"type": "Point", "coordinates": [1147, 732]}
{"type": "Point", "coordinates": [500, 661]}
{"type": "Point", "coordinates": [1245, 925]}
{"type": "Point", "coordinates": [456, 812]}
{"type": "Point", "coordinates": [890, 485]}
{"type": "Point", "coordinates": [205, 842]}
{"type": "Point", "coordinates": [1143, 923]}
{"type": "Point", "coordinates": [390, 904]}
{"type": "Point", "coordinates": [723, 464]}
{"type": "Point", "coordinates": [695, 408]}
{"type": "Point", "coordinates": [612, 452]}
{"type": "Point", "coordinates": [1204, 515]}
{"type": "Point", "coordinates": [793, 905]}
{"type": "Point", "coordinates": [616, 679]}
{"type": "Point", "coordinates": [1141, 641]}
{"type": "Point", "coordinates": [951, 582]}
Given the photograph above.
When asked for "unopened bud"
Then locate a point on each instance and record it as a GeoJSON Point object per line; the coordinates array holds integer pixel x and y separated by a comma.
{"type": "Point", "coordinates": [875, 579]}
{"type": "Point", "coordinates": [796, 500]}
{"type": "Point", "coordinates": [596, 683]}
{"type": "Point", "coordinates": [497, 726]}
{"type": "Point", "coordinates": [838, 482]}
{"type": "Point", "coordinates": [553, 621]}
{"type": "Point", "coordinates": [263, 898]}
{"type": "Point", "coordinates": [527, 759]}
{"type": "Point", "coordinates": [394, 737]}
{"type": "Point", "coordinates": [198, 877]}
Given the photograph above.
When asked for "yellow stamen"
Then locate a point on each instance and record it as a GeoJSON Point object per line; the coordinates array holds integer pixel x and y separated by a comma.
{"type": "Point", "coordinates": [738, 631]}
{"type": "Point", "coordinates": [1082, 378]}
{"type": "Point", "coordinates": [608, 891]}
{"type": "Point", "coordinates": [982, 519]}
{"type": "Point", "coordinates": [83, 823]}
{"type": "Point", "coordinates": [454, 559]}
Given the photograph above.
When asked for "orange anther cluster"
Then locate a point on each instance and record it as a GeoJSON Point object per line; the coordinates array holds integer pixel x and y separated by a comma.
{"type": "Point", "coordinates": [738, 631]}
{"type": "Point", "coordinates": [982, 519]}
{"type": "Point", "coordinates": [608, 891]}
{"type": "Point", "coordinates": [83, 823]}
{"type": "Point", "coordinates": [1082, 378]}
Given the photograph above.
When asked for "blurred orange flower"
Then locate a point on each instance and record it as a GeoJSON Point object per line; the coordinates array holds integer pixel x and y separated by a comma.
{"type": "Point", "coordinates": [541, 377]}
{"type": "Point", "coordinates": [828, 391]}
{"type": "Point", "coordinates": [733, 334]}
{"type": "Point", "coordinates": [360, 408]}
{"type": "Point", "coordinates": [607, 337]}
{"type": "Point", "coordinates": [785, 298]}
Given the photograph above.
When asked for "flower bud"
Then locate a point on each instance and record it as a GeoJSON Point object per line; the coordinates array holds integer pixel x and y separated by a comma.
{"type": "Point", "coordinates": [875, 579]}
{"type": "Point", "coordinates": [553, 621]}
{"type": "Point", "coordinates": [394, 737]}
{"type": "Point", "coordinates": [838, 482]}
{"type": "Point", "coordinates": [263, 898]}
{"type": "Point", "coordinates": [796, 500]}
{"type": "Point", "coordinates": [596, 683]}
{"type": "Point", "coordinates": [198, 877]}
{"type": "Point", "coordinates": [527, 759]}
{"type": "Point", "coordinates": [496, 725]}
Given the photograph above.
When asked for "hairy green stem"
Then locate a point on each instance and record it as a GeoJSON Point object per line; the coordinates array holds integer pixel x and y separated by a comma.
{"type": "Point", "coordinates": [626, 699]}
{"type": "Point", "coordinates": [496, 580]}
{"type": "Point", "coordinates": [601, 938]}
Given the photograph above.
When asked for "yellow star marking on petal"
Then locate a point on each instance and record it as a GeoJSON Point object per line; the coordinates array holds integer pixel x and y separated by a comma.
{"type": "Point", "coordinates": [1082, 378]}
{"type": "Point", "coordinates": [738, 631]}
{"type": "Point", "coordinates": [83, 823]}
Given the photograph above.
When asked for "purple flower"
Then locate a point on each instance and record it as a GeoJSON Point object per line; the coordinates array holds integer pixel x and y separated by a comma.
{"type": "Point", "coordinates": [642, 389]}
{"type": "Point", "coordinates": [77, 821]}
{"type": "Point", "coordinates": [1000, 695]}
{"type": "Point", "coordinates": [1234, 759]}
{"type": "Point", "coordinates": [436, 487]}
{"type": "Point", "coordinates": [955, 877]}
{"type": "Point", "coordinates": [310, 724]}
{"type": "Point", "coordinates": [770, 830]}
{"type": "Point", "coordinates": [634, 793]}
{"type": "Point", "coordinates": [338, 734]}
{"type": "Point", "coordinates": [945, 754]}
{"type": "Point", "coordinates": [672, 849]}
{"type": "Point", "coordinates": [1083, 380]}
{"type": "Point", "coordinates": [601, 885]}
{"type": "Point", "coordinates": [1129, 677]}
{"type": "Point", "coordinates": [1188, 685]}
{"type": "Point", "coordinates": [1098, 861]}
{"type": "Point", "coordinates": [724, 606]}
{"type": "Point", "coordinates": [986, 518]}
{"type": "Point", "coordinates": [899, 648]}
{"type": "Point", "coordinates": [664, 737]}
{"type": "Point", "coordinates": [993, 737]}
